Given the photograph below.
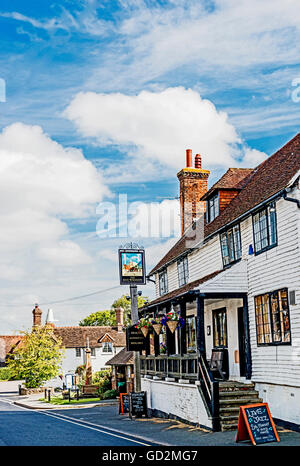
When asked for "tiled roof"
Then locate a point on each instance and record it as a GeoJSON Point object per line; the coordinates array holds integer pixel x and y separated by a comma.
{"type": "Point", "coordinates": [269, 178]}
{"type": "Point", "coordinates": [7, 342]}
{"type": "Point", "coordinates": [121, 358]}
{"type": "Point", "coordinates": [75, 337]}
{"type": "Point", "coordinates": [234, 178]}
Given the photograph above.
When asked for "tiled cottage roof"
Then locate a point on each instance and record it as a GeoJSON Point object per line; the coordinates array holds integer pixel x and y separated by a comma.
{"type": "Point", "coordinates": [121, 358]}
{"type": "Point", "coordinates": [7, 343]}
{"type": "Point", "coordinates": [234, 178]}
{"type": "Point", "coordinates": [259, 184]}
{"type": "Point", "coordinates": [75, 337]}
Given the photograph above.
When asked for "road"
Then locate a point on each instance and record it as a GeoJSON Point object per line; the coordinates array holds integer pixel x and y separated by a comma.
{"type": "Point", "coordinates": [24, 427]}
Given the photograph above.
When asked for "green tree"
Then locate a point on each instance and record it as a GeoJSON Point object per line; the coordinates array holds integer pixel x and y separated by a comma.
{"type": "Point", "coordinates": [102, 318]}
{"type": "Point", "coordinates": [37, 358]}
{"type": "Point", "coordinates": [108, 317]}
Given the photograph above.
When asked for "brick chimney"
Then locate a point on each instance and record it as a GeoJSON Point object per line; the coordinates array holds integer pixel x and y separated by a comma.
{"type": "Point", "coordinates": [193, 185]}
{"type": "Point", "coordinates": [120, 318]}
{"type": "Point", "coordinates": [37, 316]}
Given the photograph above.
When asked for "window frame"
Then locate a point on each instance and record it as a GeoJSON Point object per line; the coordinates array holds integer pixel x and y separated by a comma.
{"type": "Point", "coordinates": [235, 247]}
{"type": "Point", "coordinates": [268, 228]}
{"type": "Point", "coordinates": [270, 322]}
{"type": "Point", "coordinates": [104, 345]}
{"type": "Point", "coordinates": [215, 204]}
{"type": "Point", "coordinates": [183, 275]}
{"type": "Point", "coordinates": [165, 288]}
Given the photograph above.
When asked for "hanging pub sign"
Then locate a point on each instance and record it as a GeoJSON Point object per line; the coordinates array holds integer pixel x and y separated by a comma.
{"type": "Point", "coordinates": [135, 340]}
{"type": "Point", "coordinates": [256, 423]}
{"type": "Point", "coordinates": [132, 266]}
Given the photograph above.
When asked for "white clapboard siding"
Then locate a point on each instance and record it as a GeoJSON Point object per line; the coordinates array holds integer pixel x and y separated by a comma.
{"type": "Point", "coordinates": [269, 271]}
{"type": "Point", "coordinates": [205, 260]}
{"type": "Point", "coordinates": [272, 270]}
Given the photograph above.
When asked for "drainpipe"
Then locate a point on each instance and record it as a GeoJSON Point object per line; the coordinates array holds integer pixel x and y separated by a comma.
{"type": "Point", "coordinates": [290, 199]}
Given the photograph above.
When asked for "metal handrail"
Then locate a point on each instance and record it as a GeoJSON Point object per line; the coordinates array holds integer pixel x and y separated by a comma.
{"type": "Point", "coordinates": [210, 390]}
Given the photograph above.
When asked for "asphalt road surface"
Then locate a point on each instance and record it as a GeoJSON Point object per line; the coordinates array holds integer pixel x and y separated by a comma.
{"type": "Point", "coordinates": [23, 427]}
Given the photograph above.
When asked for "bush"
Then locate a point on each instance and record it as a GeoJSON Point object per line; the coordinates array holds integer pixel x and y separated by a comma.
{"type": "Point", "coordinates": [5, 373]}
{"type": "Point", "coordinates": [109, 394]}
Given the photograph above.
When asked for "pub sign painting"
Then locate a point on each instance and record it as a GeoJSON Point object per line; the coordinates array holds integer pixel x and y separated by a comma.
{"type": "Point", "coordinates": [132, 267]}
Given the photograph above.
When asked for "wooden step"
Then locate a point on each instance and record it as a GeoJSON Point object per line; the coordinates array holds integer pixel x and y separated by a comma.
{"type": "Point", "coordinates": [240, 401]}
{"type": "Point", "coordinates": [237, 393]}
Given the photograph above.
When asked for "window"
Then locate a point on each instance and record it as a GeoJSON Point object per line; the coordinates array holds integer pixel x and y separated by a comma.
{"type": "Point", "coordinates": [220, 328]}
{"type": "Point", "coordinates": [93, 352]}
{"type": "Point", "coordinates": [264, 228]}
{"type": "Point", "coordinates": [272, 318]}
{"type": "Point", "coordinates": [231, 247]}
{"type": "Point", "coordinates": [212, 208]}
{"type": "Point", "coordinates": [183, 271]}
{"type": "Point", "coordinates": [163, 282]}
{"type": "Point", "coordinates": [107, 347]}
{"type": "Point", "coordinates": [78, 352]}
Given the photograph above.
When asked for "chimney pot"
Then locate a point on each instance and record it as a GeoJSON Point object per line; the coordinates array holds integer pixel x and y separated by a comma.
{"type": "Point", "coordinates": [189, 158]}
{"type": "Point", "coordinates": [198, 161]}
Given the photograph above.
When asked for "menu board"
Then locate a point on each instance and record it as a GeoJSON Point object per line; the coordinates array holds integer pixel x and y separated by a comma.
{"type": "Point", "coordinates": [256, 423]}
{"type": "Point", "coordinates": [138, 404]}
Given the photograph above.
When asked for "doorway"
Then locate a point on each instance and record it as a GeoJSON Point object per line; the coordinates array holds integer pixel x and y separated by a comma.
{"type": "Point", "coordinates": [242, 347]}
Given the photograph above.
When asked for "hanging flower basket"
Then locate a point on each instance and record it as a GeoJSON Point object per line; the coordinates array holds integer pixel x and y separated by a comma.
{"type": "Point", "coordinates": [157, 328]}
{"type": "Point", "coordinates": [172, 324]}
{"type": "Point", "coordinates": [172, 319]}
{"type": "Point", "coordinates": [144, 324]}
{"type": "Point", "coordinates": [145, 331]}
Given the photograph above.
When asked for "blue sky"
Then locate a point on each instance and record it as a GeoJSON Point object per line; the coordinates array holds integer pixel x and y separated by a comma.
{"type": "Point", "coordinates": [127, 85]}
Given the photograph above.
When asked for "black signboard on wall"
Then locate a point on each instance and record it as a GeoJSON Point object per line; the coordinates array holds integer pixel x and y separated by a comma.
{"type": "Point", "coordinates": [135, 340]}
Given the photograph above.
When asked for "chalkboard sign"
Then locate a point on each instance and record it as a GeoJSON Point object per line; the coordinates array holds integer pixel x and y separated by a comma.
{"type": "Point", "coordinates": [135, 340]}
{"type": "Point", "coordinates": [124, 403]}
{"type": "Point", "coordinates": [256, 423]}
{"type": "Point", "coordinates": [138, 404]}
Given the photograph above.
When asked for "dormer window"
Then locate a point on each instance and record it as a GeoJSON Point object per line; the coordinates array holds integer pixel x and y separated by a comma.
{"type": "Point", "coordinates": [163, 282]}
{"type": "Point", "coordinates": [212, 210]}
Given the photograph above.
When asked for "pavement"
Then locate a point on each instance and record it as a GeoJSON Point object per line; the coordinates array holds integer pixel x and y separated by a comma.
{"type": "Point", "coordinates": [162, 431]}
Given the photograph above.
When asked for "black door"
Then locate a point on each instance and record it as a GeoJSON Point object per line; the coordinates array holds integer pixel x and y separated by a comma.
{"type": "Point", "coordinates": [241, 328]}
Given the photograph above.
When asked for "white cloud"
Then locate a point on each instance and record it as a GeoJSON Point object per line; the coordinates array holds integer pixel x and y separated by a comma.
{"type": "Point", "coordinates": [157, 127]}
{"type": "Point", "coordinates": [42, 184]}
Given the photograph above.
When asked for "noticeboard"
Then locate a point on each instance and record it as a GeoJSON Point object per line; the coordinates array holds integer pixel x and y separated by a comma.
{"type": "Point", "coordinates": [132, 267]}
{"type": "Point", "coordinates": [255, 422]}
{"type": "Point", "coordinates": [135, 340]}
{"type": "Point", "coordinates": [138, 404]}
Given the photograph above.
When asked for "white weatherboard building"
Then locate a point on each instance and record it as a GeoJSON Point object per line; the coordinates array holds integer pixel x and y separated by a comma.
{"type": "Point", "coordinates": [104, 342]}
{"type": "Point", "coordinates": [234, 276]}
